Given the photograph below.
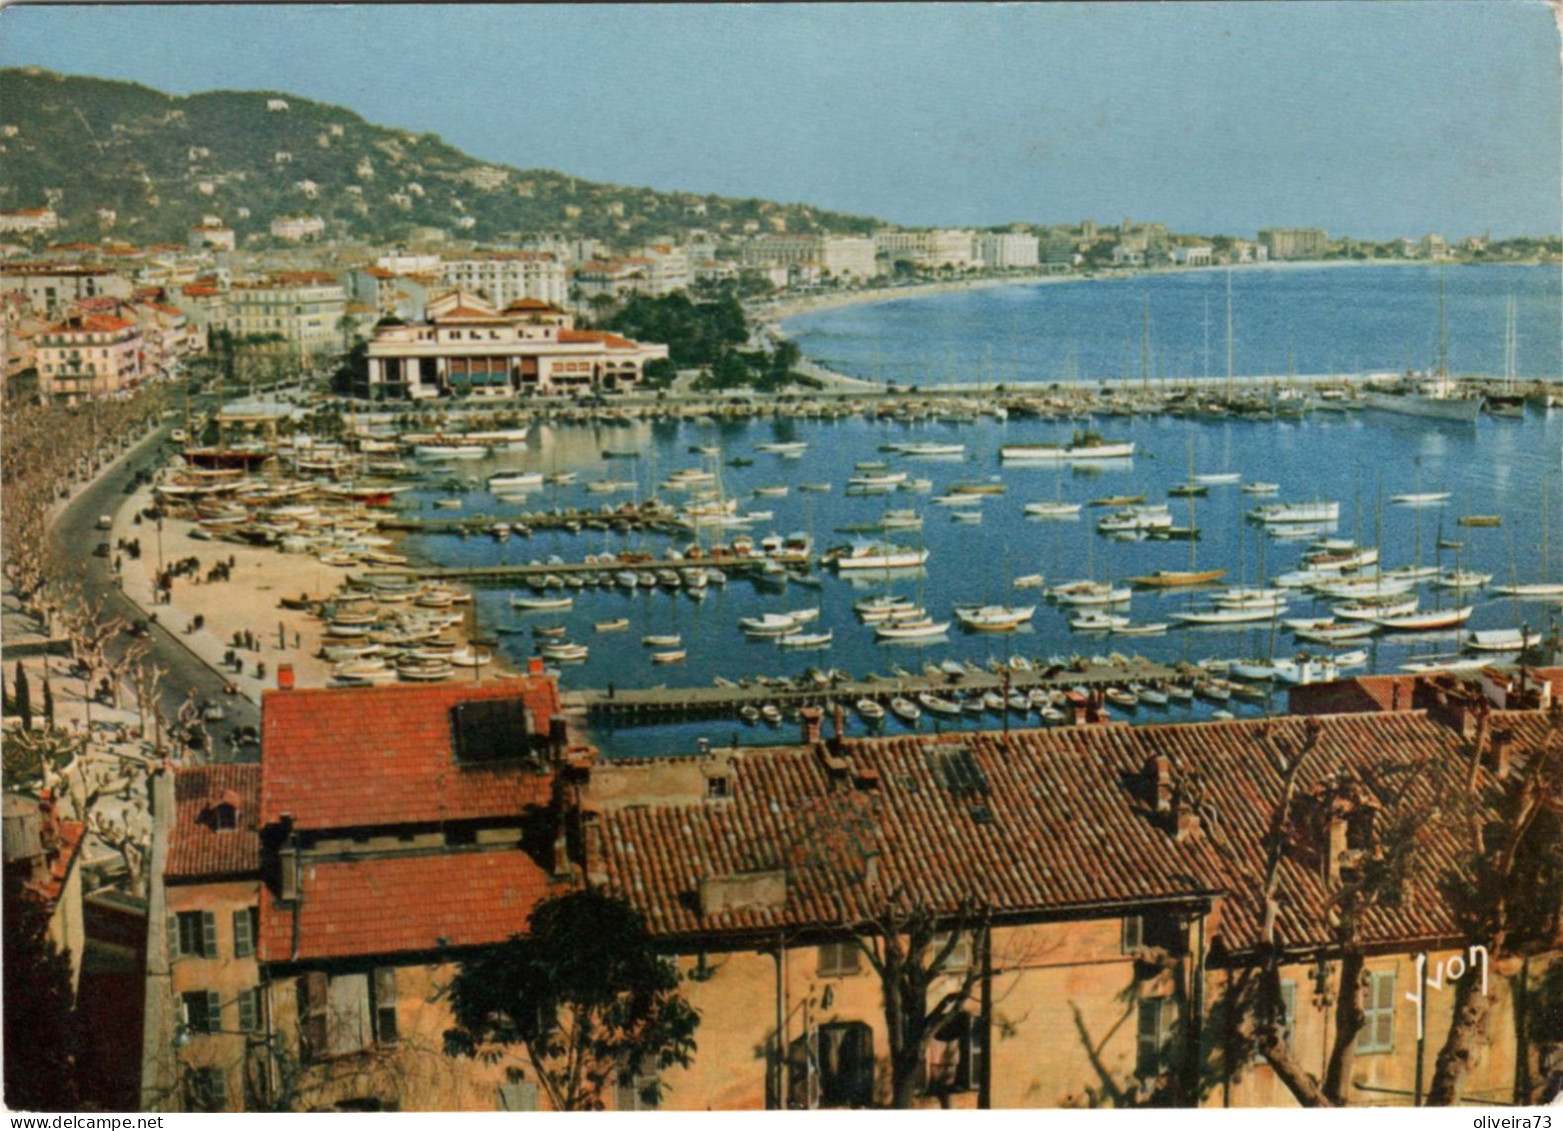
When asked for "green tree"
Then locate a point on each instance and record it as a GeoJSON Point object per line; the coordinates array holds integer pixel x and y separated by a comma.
{"type": "Point", "coordinates": [22, 694]}
{"type": "Point", "coordinates": [584, 993]}
{"type": "Point", "coordinates": [43, 1039]}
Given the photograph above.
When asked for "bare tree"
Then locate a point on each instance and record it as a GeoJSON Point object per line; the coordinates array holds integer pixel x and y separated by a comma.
{"type": "Point", "coordinates": [1507, 884]}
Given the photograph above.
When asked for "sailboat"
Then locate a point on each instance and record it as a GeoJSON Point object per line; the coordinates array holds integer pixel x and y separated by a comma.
{"type": "Point", "coordinates": [1542, 588]}
{"type": "Point", "coordinates": [1176, 578]}
{"type": "Point", "coordinates": [1508, 405]}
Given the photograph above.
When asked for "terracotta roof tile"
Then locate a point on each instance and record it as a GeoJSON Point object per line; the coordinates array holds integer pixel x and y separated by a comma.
{"type": "Point", "coordinates": [391, 905]}
{"type": "Point", "coordinates": [1048, 821]}
{"type": "Point", "coordinates": [197, 849]}
{"type": "Point", "coordinates": [358, 757]}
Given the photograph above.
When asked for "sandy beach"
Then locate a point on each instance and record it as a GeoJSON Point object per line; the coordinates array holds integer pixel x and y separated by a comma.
{"type": "Point", "coordinates": [249, 601]}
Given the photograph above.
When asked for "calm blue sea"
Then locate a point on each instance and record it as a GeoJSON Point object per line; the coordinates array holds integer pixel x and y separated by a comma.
{"type": "Point", "coordinates": [1345, 319]}
{"type": "Point", "coordinates": [1359, 460]}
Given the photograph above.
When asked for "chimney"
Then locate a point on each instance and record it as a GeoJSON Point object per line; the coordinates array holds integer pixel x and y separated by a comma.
{"type": "Point", "coordinates": [1159, 770]}
{"type": "Point", "coordinates": [838, 723]}
{"type": "Point", "coordinates": [1500, 751]}
{"type": "Point", "coordinates": [591, 844]}
{"type": "Point", "coordinates": [284, 677]}
{"type": "Point", "coordinates": [1185, 820]}
{"type": "Point", "coordinates": [534, 665]}
{"type": "Point", "coordinates": [812, 718]}
{"type": "Point", "coordinates": [558, 736]}
{"type": "Point", "coordinates": [1335, 842]}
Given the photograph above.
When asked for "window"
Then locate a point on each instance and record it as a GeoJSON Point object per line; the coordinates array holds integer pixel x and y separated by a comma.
{"type": "Point", "coordinates": [1378, 1010]}
{"type": "Point", "coordinates": [959, 958]}
{"type": "Point", "coordinates": [250, 1010]}
{"type": "Point", "coordinates": [1133, 933]}
{"type": "Point", "coordinates": [491, 729]}
{"type": "Point", "coordinates": [837, 959]}
{"type": "Point", "coordinates": [845, 1056]}
{"type": "Point", "coordinates": [1287, 1022]}
{"type": "Point", "coordinates": [955, 1055]}
{"type": "Point", "coordinates": [346, 1013]}
{"type": "Point", "coordinates": [1154, 1037]}
{"type": "Point", "coordinates": [205, 1089]}
{"type": "Point", "coordinates": [718, 788]}
{"type": "Point", "coordinates": [225, 817]}
{"type": "Point", "coordinates": [1157, 930]}
{"type": "Point", "coordinates": [245, 922]}
{"type": "Point", "coordinates": [193, 934]}
{"type": "Point", "coordinates": [520, 1096]}
{"type": "Point", "coordinates": [638, 1092]}
{"type": "Point", "coordinates": [201, 1011]}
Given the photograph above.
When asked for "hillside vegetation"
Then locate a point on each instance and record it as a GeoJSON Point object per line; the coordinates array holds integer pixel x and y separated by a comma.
{"type": "Point", "coordinates": [163, 162]}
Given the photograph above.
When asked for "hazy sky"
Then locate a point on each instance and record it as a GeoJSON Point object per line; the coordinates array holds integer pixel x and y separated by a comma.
{"type": "Point", "coordinates": [1374, 119]}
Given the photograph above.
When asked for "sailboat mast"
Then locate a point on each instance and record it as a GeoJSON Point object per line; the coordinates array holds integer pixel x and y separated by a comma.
{"type": "Point", "coordinates": [1207, 337]}
{"type": "Point", "coordinates": [1145, 344]}
{"type": "Point", "coordinates": [1443, 330]}
{"type": "Point", "coordinates": [1229, 333]}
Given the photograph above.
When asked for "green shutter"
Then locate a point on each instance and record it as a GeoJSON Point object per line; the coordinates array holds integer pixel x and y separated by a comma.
{"type": "Point", "coordinates": [173, 938]}
{"type": "Point", "coordinates": [248, 1014]}
{"type": "Point", "coordinates": [243, 940]}
{"type": "Point", "coordinates": [208, 934]}
{"type": "Point", "coordinates": [214, 1012]}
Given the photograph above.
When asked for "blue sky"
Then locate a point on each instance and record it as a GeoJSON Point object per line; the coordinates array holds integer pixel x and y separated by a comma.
{"type": "Point", "coordinates": [1374, 119]}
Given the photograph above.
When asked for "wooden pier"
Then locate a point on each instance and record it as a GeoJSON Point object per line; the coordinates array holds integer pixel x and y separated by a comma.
{"type": "Point", "coordinates": [733, 567]}
{"type": "Point", "coordinates": [621, 520]}
{"type": "Point", "coordinates": [662, 704]}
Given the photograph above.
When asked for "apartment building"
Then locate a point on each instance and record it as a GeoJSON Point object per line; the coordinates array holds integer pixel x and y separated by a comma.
{"type": "Point", "coordinates": [952, 249]}
{"type": "Point", "coordinates": [53, 288]}
{"type": "Point", "coordinates": [29, 220]}
{"type": "Point", "coordinates": [1295, 243]}
{"type": "Point", "coordinates": [304, 307]}
{"type": "Point", "coordinates": [389, 294]}
{"type": "Point", "coordinates": [1008, 251]}
{"type": "Point", "coordinates": [87, 356]}
{"type": "Point", "coordinates": [839, 257]}
{"type": "Point", "coordinates": [1102, 891]}
{"type": "Point", "coordinates": [467, 346]}
{"type": "Point", "coordinates": [212, 896]}
{"type": "Point", "coordinates": [211, 237]}
{"type": "Point", "coordinates": [506, 277]}
{"type": "Point", "coordinates": [298, 228]}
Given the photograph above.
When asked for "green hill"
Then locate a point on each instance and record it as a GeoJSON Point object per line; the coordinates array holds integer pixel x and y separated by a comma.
{"type": "Point", "coordinates": [163, 162]}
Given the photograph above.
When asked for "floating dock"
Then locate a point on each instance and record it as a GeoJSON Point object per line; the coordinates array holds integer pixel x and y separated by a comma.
{"type": "Point", "coordinates": [625, 705]}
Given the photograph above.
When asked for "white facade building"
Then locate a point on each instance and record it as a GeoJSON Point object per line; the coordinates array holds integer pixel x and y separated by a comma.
{"type": "Point", "coordinates": [297, 227]}
{"type": "Point", "coordinates": [1008, 251]}
{"type": "Point", "coordinates": [504, 277]}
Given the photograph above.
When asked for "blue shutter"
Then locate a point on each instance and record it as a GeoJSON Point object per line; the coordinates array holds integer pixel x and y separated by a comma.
{"type": "Point", "coordinates": [208, 934]}
{"type": "Point", "coordinates": [243, 937]}
{"type": "Point", "coordinates": [214, 1012]}
{"type": "Point", "coordinates": [249, 1012]}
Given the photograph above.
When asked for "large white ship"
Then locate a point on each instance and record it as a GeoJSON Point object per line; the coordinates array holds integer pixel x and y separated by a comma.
{"type": "Point", "coordinates": [1437, 397]}
{"type": "Point", "coordinates": [1083, 446]}
{"type": "Point", "coordinates": [878, 555]}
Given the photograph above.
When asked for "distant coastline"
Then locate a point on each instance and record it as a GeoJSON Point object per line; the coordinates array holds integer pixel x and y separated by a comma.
{"type": "Point", "coordinates": [771, 316]}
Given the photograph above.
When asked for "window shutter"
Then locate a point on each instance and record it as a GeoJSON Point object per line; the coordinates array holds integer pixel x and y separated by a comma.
{"type": "Point", "coordinates": [208, 934]}
{"type": "Point", "coordinates": [214, 1012]}
{"type": "Point", "coordinates": [385, 1004]}
{"type": "Point", "coordinates": [520, 1096]}
{"type": "Point", "coordinates": [219, 1089]}
{"type": "Point", "coordinates": [173, 939]}
{"type": "Point", "coordinates": [243, 938]}
{"type": "Point", "coordinates": [249, 1022]}
{"type": "Point", "coordinates": [314, 993]}
{"type": "Point", "coordinates": [1149, 1030]}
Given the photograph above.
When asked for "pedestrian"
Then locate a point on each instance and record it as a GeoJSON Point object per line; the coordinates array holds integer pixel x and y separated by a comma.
{"type": "Point", "coordinates": [260, 670]}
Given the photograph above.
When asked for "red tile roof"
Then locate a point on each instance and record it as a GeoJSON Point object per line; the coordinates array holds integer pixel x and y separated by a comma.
{"type": "Point", "coordinates": [598, 337]}
{"type": "Point", "coordinates": [532, 304]}
{"type": "Point", "coordinates": [397, 904]}
{"type": "Point", "coordinates": [359, 757]}
{"type": "Point", "coordinates": [1049, 822]}
{"type": "Point", "coordinates": [92, 324]}
{"type": "Point", "coordinates": [197, 849]}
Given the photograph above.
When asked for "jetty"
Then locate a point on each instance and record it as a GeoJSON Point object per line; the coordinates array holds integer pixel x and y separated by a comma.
{"type": "Point", "coordinates": [741, 567]}
{"type": "Point", "coordinates": [625, 705]}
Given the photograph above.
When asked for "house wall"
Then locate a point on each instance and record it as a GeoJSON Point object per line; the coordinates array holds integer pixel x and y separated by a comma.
{"type": "Point", "coordinates": [411, 1074]}
{"type": "Point", "coordinates": [1492, 1074]}
{"type": "Point", "coordinates": [225, 974]}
